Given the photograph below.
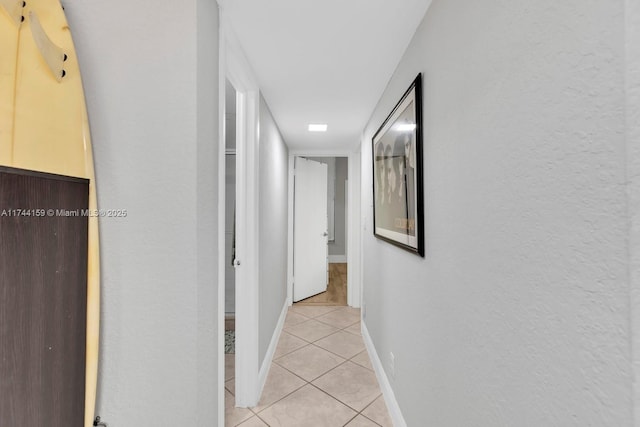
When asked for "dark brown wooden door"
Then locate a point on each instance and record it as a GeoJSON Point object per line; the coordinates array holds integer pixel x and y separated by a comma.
{"type": "Point", "coordinates": [43, 293]}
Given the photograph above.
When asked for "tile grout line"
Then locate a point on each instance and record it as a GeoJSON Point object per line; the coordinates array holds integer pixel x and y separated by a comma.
{"type": "Point", "coordinates": [336, 331]}
{"type": "Point", "coordinates": [365, 408]}
{"type": "Point", "coordinates": [333, 307]}
{"type": "Point", "coordinates": [310, 342]}
{"type": "Point", "coordinates": [369, 404]}
{"type": "Point", "coordinates": [347, 405]}
{"type": "Point", "coordinates": [338, 308]}
{"type": "Point", "coordinates": [354, 417]}
{"type": "Point", "coordinates": [315, 378]}
{"type": "Point", "coordinates": [307, 344]}
{"type": "Point", "coordinates": [319, 339]}
{"type": "Point", "coordinates": [336, 354]}
{"type": "Point", "coordinates": [322, 348]}
{"type": "Point", "coordinates": [364, 416]}
{"type": "Point", "coordinates": [335, 398]}
{"type": "Point", "coordinates": [283, 397]}
{"type": "Point", "coordinates": [340, 328]}
{"type": "Point", "coordinates": [297, 389]}
{"type": "Point", "coordinates": [310, 382]}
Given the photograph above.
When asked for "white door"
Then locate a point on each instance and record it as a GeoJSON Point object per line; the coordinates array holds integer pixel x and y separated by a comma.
{"type": "Point", "coordinates": [310, 229]}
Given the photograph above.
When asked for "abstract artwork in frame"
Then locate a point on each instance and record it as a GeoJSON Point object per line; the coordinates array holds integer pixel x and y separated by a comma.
{"type": "Point", "coordinates": [397, 174]}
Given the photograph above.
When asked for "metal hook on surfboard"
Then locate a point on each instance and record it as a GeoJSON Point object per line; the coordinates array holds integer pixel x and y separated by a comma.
{"type": "Point", "coordinates": [53, 55]}
{"type": "Point", "coordinates": [14, 9]}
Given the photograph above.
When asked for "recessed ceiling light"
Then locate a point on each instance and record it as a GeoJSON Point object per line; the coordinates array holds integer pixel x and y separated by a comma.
{"type": "Point", "coordinates": [405, 127]}
{"type": "Point", "coordinates": [317, 127]}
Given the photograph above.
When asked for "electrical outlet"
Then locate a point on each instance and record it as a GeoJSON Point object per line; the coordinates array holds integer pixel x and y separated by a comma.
{"type": "Point", "coordinates": [392, 365]}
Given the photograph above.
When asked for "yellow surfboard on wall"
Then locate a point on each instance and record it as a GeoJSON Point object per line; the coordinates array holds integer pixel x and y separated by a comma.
{"type": "Point", "coordinates": [44, 126]}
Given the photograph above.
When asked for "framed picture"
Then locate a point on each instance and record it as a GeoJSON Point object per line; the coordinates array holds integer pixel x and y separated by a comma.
{"type": "Point", "coordinates": [397, 174]}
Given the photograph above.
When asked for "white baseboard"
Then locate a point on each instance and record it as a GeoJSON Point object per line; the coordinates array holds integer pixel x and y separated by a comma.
{"type": "Point", "coordinates": [341, 259]}
{"type": "Point", "coordinates": [268, 358]}
{"type": "Point", "coordinates": [385, 385]}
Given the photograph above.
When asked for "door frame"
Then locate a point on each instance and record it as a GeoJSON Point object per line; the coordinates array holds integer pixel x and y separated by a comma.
{"type": "Point", "coordinates": [234, 66]}
{"type": "Point", "coordinates": [353, 244]}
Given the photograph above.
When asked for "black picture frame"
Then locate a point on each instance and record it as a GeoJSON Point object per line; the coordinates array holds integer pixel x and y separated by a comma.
{"type": "Point", "coordinates": [398, 207]}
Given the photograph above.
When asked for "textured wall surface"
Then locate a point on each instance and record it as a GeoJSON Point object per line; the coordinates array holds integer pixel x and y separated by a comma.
{"type": "Point", "coordinates": [632, 79]}
{"type": "Point", "coordinates": [207, 212]}
{"type": "Point", "coordinates": [154, 146]}
{"type": "Point", "coordinates": [519, 313]}
{"type": "Point", "coordinates": [274, 206]}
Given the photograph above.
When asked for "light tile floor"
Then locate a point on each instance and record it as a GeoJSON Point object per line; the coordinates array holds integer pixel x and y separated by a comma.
{"type": "Point", "coordinates": [321, 376]}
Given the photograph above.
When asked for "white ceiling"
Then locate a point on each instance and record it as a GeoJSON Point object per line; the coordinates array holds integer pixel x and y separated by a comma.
{"type": "Point", "coordinates": [323, 61]}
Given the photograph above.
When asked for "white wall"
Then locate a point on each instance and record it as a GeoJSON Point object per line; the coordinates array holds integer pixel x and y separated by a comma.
{"type": "Point", "coordinates": [206, 213]}
{"type": "Point", "coordinates": [632, 79]}
{"type": "Point", "coordinates": [273, 189]}
{"type": "Point", "coordinates": [150, 75]}
{"type": "Point", "coordinates": [519, 312]}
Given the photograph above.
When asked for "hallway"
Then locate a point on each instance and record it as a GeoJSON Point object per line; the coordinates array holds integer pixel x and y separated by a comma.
{"type": "Point", "coordinates": [524, 309]}
{"type": "Point", "coordinates": [321, 376]}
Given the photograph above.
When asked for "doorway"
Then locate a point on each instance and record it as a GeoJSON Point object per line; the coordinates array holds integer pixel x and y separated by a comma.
{"type": "Point", "coordinates": [248, 381]}
{"type": "Point", "coordinates": [334, 225]}
{"type": "Point", "coordinates": [230, 234]}
{"type": "Point", "coordinates": [236, 73]}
